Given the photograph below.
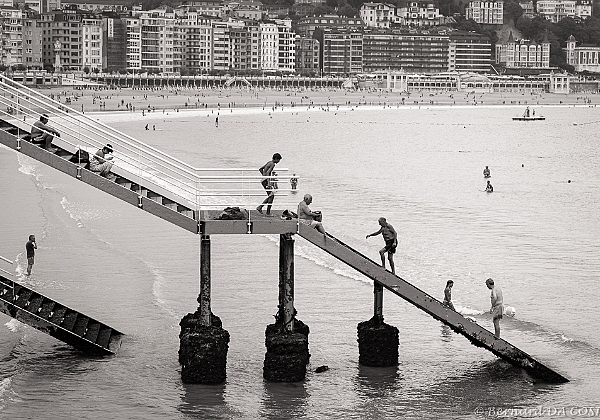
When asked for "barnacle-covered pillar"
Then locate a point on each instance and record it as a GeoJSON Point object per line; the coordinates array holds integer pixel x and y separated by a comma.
{"type": "Point", "coordinates": [203, 342]}
{"type": "Point", "coordinates": [286, 340]}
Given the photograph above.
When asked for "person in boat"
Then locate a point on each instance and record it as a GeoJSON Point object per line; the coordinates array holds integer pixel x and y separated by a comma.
{"type": "Point", "coordinates": [101, 161]}
{"type": "Point", "coordinates": [489, 187]}
{"type": "Point", "coordinates": [486, 172]}
{"type": "Point", "coordinates": [43, 134]}
{"type": "Point", "coordinates": [309, 217]}
{"type": "Point", "coordinates": [497, 305]}
{"type": "Point", "coordinates": [391, 242]}
{"type": "Point", "coordinates": [448, 295]}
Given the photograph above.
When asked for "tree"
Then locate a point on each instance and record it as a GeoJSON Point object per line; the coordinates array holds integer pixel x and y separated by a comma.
{"type": "Point", "coordinates": [347, 11]}
{"type": "Point", "coordinates": [512, 10]}
{"type": "Point", "coordinates": [86, 70]}
{"type": "Point", "coordinates": [323, 10]}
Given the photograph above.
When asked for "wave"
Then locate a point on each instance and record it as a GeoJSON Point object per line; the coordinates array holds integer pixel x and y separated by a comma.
{"type": "Point", "coordinates": [14, 326]}
{"type": "Point", "coordinates": [312, 254]}
{"type": "Point", "coordinates": [157, 284]}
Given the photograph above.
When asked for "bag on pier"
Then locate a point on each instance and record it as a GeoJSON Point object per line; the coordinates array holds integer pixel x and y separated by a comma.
{"type": "Point", "coordinates": [233, 213]}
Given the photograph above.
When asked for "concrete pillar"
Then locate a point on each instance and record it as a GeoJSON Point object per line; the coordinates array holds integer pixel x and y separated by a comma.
{"type": "Point", "coordinates": [287, 340]}
{"type": "Point", "coordinates": [377, 341]}
{"type": "Point", "coordinates": [203, 343]}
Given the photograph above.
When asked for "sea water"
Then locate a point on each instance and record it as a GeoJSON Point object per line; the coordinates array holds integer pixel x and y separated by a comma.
{"type": "Point", "coordinates": [421, 168]}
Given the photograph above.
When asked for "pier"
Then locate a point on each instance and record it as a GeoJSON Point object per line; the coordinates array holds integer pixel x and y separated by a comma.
{"type": "Point", "coordinates": [194, 199]}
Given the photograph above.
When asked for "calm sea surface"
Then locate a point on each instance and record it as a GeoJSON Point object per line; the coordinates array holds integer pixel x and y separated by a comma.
{"type": "Point", "coordinates": [537, 235]}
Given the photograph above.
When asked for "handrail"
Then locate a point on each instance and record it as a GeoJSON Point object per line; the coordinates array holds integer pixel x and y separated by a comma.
{"type": "Point", "coordinates": [79, 114]}
{"type": "Point", "coordinates": [138, 159]}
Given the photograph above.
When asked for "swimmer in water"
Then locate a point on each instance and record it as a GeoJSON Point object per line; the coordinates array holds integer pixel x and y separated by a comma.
{"type": "Point", "coordinates": [486, 172]}
{"type": "Point", "coordinates": [489, 187]}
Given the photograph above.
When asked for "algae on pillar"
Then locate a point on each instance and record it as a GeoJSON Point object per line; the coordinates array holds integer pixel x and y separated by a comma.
{"type": "Point", "coordinates": [203, 342]}
{"type": "Point", "coordinates": [286, 340]}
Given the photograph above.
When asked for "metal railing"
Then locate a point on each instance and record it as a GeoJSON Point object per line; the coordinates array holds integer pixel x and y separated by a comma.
{"type": "Point", "coordinates": [198, 188]}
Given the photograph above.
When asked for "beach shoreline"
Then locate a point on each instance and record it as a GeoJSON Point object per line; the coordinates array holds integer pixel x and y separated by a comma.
{"type": "Point", "coordinates": [171, 99]}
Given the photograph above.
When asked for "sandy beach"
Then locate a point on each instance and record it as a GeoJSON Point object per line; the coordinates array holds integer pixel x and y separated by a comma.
{"type": "Point", "coordinates": [170, 99]}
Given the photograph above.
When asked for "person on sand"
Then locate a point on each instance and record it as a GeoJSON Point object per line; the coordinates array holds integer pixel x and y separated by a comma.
{"type": "Point", "coordinates": [267, 170]}
{"type": "Point", "coordinates": [41, 133]}
{"type": "Point", "coordinates": [309, 217]}
{"type": "Point", "coordinates": [448, 295]}
{"type": "Point", "coordinates": [30, 247]}
{"type": "Point", "coordinates": [486, 172]}
{"type": "Point", "coordinates": [489, 187]}
{"type": "Point", "coordinates": [497, 305]}
{"type": "Point", "coordinates": [391, 242]}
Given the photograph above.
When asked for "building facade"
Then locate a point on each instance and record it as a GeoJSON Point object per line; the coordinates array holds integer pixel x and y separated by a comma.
{"type": "Point", "coordinates": [486, 12]}
{"type": "Point", "coordinates": [523, 53]}
{"type": "Point", "coordinates": [341, 51]}
{"type": "Point", "coordinates": [583, 57]}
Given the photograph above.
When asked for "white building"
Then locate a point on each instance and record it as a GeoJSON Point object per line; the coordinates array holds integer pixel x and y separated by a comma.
{"type": "Point", "coordinates": [583, 57]}
{"type": "Point", "coordinates": [134, 44]}
{"type": "Point", "coordinates": [418, 13]}
{"type": "Point", "coordinates": [486, 12]}
{"type": "Point", "coordinates": [378, 15]}
{"type": "Point", "coordinates": [523, 53]}
{"type": "Point", "coordinates": [556, 10]}
{"type": "Point", "coordinates": [92, 43]}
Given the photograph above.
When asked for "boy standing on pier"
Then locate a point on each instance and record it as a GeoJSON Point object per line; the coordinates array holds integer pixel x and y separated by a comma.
{"type": "Point", "coordinates": [391, 242]}
{"type": "Point", "coordinates": [267, 170]}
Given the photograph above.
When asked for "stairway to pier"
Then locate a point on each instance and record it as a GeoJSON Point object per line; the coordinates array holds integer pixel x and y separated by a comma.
{"type": "Point", "coordinates": [61, 322]}
{"type": "Point", "coordinates": [476, 334]}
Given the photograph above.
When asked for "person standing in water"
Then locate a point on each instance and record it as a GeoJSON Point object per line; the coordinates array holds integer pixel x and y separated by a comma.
{"type": "Point", "coordinates": [30, 247]}
{"type": "Point", "coordinates": [489, 187]}
{"type": "Point", "coordinates": [486, 172]}
{"type": "Point", "coordinates": [497, 302]}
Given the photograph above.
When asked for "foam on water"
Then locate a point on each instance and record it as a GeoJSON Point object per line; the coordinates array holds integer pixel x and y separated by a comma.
{"type": "Point", "coordinates": [14, 326]}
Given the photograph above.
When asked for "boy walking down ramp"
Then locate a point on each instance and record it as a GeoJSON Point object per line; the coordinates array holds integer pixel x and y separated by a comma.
{"type": "Point", "coordinates": [391, 242]}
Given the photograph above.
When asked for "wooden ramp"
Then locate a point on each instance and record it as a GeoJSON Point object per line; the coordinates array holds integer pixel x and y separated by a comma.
{"type": "Point", "coordinates": [476, 334]}
{"type": "Point", "coordinates": [59, 321]}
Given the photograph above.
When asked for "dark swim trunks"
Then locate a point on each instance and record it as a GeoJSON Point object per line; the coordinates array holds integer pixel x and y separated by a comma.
{"type": "Point", "coordinates": [390, 247]}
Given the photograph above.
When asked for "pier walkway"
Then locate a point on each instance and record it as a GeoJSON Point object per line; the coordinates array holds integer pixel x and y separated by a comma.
{"type": "Point", "coordinates": [173, 190]}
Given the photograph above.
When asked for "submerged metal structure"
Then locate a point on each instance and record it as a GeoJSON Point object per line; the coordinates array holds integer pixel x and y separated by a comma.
{"type": "Point", "coordinates": [172, 190]}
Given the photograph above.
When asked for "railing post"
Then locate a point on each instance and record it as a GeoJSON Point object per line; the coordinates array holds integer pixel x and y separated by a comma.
{"type": "Point", "coordinates": [204, 298]}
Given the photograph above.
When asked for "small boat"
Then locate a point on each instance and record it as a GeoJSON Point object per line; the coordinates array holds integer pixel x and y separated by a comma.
{"type": "Point", "coordinates": [540, 118]}
{"type": "Point", "coordinates": [529, 115]}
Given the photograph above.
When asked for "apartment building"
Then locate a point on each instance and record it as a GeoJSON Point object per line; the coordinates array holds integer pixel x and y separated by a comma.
{"type": "Point", "coordinates": [91, 51]}
{"type": "Point", "coordinates": [486, 12]}
{"type": "Point", "coordinates": [117, 6]}
{"type": "Point", "coordinates": [411, 52]}
{"type": "Point", "coordinates": [528, 8]}
{"type": "Point", "coordinates": [114, 47]}
{"type": "Point", "coordinates": [469, 52]}
{"type": "Point", "coordinates": [62, 37]}
{"type": "Point", "coordinates": [32, 41]}
{"type": "Point", "coordinates": [306, 26]}
{"type": "Point", "coordinates": [286, 46]}
{"type": "Point", "coordinates": [557, 10]}
{"type": "Point", "coordinates": [157, 40]}
{"type": "Point", "coordinates": [307, 55]}
{"type": "Point", "coordinates": [341, 51]}
{"type": "Point", "coordinates": [134, 43]}
{"type": "Point", "coordinates": [378, 15]}
{"type": "Point", "coordinates": [418, 13]}
{"type": "Point", "coordinates": [12, 36]}
{"type": "Point", "coordinates": [523, 53]}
